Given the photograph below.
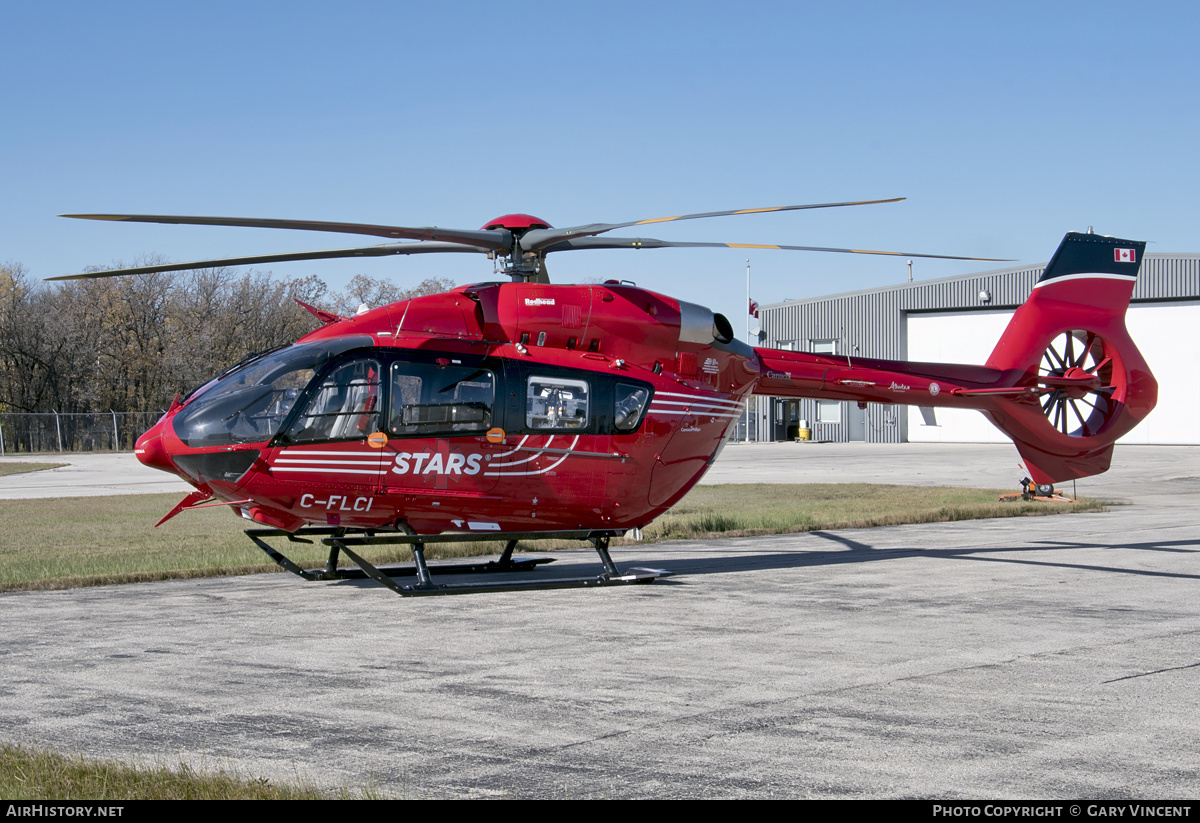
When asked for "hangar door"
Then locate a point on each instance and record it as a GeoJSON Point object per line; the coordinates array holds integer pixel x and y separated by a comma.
{"type": "Point", "coordinates": [1162, 331]}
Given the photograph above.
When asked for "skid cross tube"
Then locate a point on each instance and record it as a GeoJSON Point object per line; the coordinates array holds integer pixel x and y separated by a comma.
{"type": "Point", "coordinates": [341, 540]}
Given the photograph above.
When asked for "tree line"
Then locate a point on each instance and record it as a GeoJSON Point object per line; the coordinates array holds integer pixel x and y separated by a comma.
{"type": "Point", "coordinates": [133, 343]}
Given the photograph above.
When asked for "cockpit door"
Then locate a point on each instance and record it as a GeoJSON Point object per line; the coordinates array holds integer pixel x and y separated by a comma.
{"type": "Point", "coordinates": [325, 449]}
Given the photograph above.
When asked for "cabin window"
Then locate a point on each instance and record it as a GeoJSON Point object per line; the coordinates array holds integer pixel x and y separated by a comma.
{"type": "Point", "coordinates": [630, 402]}
{"type": "Point", "coordinates": [345, 406]}
{"type": "Point", "coordinates": [432, 399]}
{"type": "Point", "coordinates": [556, 403]}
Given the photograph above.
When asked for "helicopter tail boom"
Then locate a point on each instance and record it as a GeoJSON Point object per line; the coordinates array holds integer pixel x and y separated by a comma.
{"type": "Point", "coordinates": [1065, 380]}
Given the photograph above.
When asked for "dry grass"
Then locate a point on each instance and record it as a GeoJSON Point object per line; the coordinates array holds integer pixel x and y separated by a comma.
{"type": "Point", "coordinates": [754, 509]}
{"type": "Point", "coordinates": [92, 541]}
{"type": "Point", "coordinates": [22, 468]}
{"type": "Point", "coordinates": [40, 774]}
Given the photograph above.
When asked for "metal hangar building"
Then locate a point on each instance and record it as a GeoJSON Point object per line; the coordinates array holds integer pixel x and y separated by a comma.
{"type": "Point", "coordinates": [958, 320]}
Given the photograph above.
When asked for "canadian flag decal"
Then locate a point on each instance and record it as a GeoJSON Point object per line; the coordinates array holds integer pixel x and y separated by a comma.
{"type": "Point", "coordinates": [1125, 255]}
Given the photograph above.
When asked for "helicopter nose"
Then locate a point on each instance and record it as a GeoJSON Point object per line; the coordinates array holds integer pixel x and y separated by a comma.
{"type": "Point", "coordinates": [149, 450]}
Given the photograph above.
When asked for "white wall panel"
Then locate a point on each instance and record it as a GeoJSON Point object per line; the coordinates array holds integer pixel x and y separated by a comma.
{"type": "Point", "coordinates": [954, 337]}
{"type": "Point", "coordinates": [1168, 335]}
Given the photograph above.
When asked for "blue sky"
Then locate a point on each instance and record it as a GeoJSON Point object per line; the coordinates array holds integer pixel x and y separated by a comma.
{"type": "Point", "coordinates": [1005, 125]}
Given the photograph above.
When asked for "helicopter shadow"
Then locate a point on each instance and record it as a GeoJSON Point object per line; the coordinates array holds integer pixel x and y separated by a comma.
{"type": "Point", "coordinates": [681, 565]}
{"type": "Point", "coordinates": [855, 552]}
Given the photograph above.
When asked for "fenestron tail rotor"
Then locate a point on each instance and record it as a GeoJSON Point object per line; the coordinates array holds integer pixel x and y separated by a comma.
{"type": "Point", "coordinates": [1076, 374]}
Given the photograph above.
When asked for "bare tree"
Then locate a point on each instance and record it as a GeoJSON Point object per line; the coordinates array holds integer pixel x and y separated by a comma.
{"type": "Point", "coordinates": [374, 292]}
{"type": "Point", "coordinates": [132, 343]}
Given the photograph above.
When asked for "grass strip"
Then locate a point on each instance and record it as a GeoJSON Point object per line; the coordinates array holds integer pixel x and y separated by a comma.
{"type": "Point", "coordinates": [743, 510]}
{"type": "Point", "coordinates": [41, 774]}
{"type": "Point", "coordinates": [95, 541]}
{"type": "Point", "coordinates": [23, 468]}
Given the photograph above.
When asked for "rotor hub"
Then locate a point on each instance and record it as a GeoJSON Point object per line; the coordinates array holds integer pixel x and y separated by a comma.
{"type": "Point", "coordinates": [1084, 382]}
{"type": "Point", "coordinates": [522, 266]}
{"type": "Point", "coordinates": [517, 223]}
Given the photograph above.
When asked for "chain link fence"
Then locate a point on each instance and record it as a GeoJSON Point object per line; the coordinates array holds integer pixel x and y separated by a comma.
{"type": "Point", "coordinates": [23, 433]}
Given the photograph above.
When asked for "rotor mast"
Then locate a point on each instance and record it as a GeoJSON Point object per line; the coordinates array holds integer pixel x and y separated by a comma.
{"type": "Point", "coordinates": [521, 265]}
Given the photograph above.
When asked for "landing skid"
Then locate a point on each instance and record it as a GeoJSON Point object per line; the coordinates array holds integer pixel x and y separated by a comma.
{"type": "Point", "coordinates": [340, 541]}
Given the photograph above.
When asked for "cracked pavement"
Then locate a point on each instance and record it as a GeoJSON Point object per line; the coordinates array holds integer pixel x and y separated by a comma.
{"type": "Point", "coordinates": [1019, 658]}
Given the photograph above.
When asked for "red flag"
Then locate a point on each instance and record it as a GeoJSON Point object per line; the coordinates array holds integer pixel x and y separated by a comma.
{"type": "Point", "coordinates": [753, 310]}
{"type": "Point", "coordinates": [1124, 255]}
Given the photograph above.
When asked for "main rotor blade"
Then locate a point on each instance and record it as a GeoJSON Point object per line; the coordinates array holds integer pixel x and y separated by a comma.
{"type": "Point", "coordinates": [366, 251]}
{"type": "Point", "coordinates": [580, 243]}
{"type": "Point", "coordinates": [538, 239]}
{"type": "Point", "coordinates": [493, 240]}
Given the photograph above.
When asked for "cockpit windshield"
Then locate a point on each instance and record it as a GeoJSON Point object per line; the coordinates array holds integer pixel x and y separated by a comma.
{"type": "Point", "coordinates": [249, 403]}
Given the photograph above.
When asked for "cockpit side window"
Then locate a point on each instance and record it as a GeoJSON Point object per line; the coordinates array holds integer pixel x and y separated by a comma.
{"type": "Point", "coordinates": [345, 406]}
{"type": "Point", "coordinates": [431, 398]}
{"type": "Point", "coordinates": [249, 404]}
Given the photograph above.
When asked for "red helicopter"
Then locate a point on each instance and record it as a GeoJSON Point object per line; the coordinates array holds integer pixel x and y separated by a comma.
{"type": "Point", "coordinates": [524, 410]}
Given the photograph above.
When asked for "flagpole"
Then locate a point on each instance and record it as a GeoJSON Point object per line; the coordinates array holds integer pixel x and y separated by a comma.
{"type": "Point", "coordinates": [748, 342]}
